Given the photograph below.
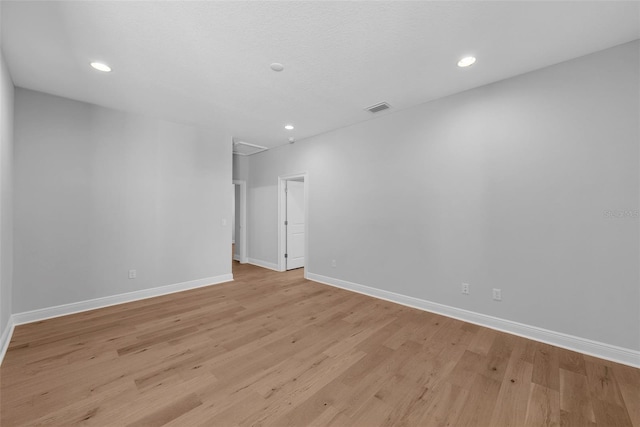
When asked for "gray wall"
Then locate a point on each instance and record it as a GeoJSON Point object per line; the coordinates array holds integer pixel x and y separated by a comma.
{"type": "Point", "coordinates": [6, 189]}
{"type": "Point", "coordinates": [240, 168]}
{"type": "Point", "coordinates": [99, 192]}
{"type": "Point", "coordinates": [509, 185]}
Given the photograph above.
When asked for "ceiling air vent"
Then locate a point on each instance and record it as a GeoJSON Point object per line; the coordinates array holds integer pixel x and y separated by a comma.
{"type": "Point", "coordinates": [378, 107]}
{"type": "Point", "coordinates": [245, 149]}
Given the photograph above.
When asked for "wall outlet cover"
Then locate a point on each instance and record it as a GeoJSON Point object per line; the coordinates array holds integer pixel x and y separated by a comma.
{"type": "Point", "coordinates": [465, 288]}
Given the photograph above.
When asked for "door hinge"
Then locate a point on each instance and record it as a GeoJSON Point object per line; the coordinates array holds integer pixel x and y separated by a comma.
{"type": "Point", "coordinates": [286, 223]}
{"type": "Point", "coordinates": [286, 255]}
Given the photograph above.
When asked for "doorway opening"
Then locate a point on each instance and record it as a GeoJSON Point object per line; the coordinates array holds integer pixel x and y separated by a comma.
{"type": "Point", "coordinates": [293, 223]}
{"type": "Point", "coordinates": [239, 234]}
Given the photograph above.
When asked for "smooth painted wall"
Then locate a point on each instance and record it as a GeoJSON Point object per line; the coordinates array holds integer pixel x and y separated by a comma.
{"type": "Point", "coordinates": [530, 185]}
{"type": "Point", "coordinates": [6, 193]}
{"type": "Point", "coordinates": [99, 192]}
{"type": "Point", "coordinates": [240, 167]}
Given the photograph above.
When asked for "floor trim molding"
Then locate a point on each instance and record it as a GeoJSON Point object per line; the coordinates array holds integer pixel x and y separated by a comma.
{"type": "Point", "coordinates": [5, 338]}
{"type": "Point", "coordinates": [92, 304]}
{"type": "Point", "coordinates": [263, 264]}
{"type": "Point", "coordinates": [593, 348]}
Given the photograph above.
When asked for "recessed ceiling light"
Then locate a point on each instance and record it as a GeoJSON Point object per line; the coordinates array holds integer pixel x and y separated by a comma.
{"type": "Point", "coordinates": [466, 61]}
{"type": "Point", "coordinates": [289, 127]}
{"type": "Point", "coordinates": [276, 66]}
{"type": "Point", "coordinates": [101, 67]}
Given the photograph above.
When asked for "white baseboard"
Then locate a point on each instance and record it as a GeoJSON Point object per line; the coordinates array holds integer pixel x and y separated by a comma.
{"type": "Point", "coordinates": [5, 338]}
{"type": "Point", "coordinates": [77, 307]}
{"type": "Point", "coordinates": [582, 345]}
{"type": "Point", "coordinates": [263, 264]}
{"type": "Point", "coordinates": [236, 257]}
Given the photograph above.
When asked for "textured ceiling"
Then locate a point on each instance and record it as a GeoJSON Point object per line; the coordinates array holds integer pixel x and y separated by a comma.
{"type": "Point", "coordinates": [207, 63]}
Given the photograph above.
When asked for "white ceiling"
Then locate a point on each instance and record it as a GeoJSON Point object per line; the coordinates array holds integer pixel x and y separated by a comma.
{"type": "Point", "coordinates": [207, 63]}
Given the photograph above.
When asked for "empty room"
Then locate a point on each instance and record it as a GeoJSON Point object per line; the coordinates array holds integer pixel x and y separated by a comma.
{"type": "Point", "coordinates": [320, 213]}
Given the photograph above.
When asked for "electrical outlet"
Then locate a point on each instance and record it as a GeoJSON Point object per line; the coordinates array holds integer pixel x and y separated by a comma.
{"type": "Point", "coordinates": [132, 274]}
{"type": "Point", "coordinates": [465, 288]}
{"type": "Point", "coordinates": [333, 263]}
{"type": "Point", "coordinates": [497, 294]}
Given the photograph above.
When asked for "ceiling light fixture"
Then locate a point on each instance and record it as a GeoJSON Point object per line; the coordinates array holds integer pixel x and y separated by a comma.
{"type": "Point", "coordinates": [466, 61]}
{"type": "Point", "coordinates": [276, 66]}
{"type": "Point", "coordinates": [289, 127]}
{"type": "Point", "coordinates": [101, 67]}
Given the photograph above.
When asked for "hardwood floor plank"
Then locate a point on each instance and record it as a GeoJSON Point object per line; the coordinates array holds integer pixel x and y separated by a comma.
{"type": "Point", "coordinates": [480, 402]}
{"type": "Point", "coordinates": [602, 382]}
{"type": "Point", "coordinates": [445, 405]}
{"type": "Point", "coordinates": [169, 412]}
{"type": "Point", "coordinates": [543, 408]}
{"type": "Point", "coordinates": [513, 397]}
{"type": "Point", "coordinates": [629, 383]}
{"type": "Point", "coordinates": [575, 401]}
{"type": "Point", "coordinates": [482, 341]}
{"type": "Point", "coordinates": [572, 361]}
{"type": "Point", "coordinates": [372, 413]}
{"type": "Point", "coordinates": [610, 414]}
{"type": "Point", "coordinates": [546, 367]}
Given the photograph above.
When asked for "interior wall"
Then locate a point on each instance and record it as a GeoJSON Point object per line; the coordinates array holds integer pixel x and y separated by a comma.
{"type": "Point", "coordinates": [99, 192]}
{"type": "Point", "coordinates": [530, 185]}
{"type": "Point", "coordinates": [240, 167]}
{"type": "Point", "coordinates": [6, 193]}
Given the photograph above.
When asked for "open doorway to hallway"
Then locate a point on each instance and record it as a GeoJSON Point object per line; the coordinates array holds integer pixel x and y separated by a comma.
{"type": "Point", "coordinates": [239, 223]}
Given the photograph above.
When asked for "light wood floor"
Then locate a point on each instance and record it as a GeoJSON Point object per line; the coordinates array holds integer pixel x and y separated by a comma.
{"type": "Point", "coordinates": [274, 349]}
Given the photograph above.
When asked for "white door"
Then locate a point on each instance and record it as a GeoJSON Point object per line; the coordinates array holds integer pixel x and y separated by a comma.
{"type": "Point", "coordinates": [295, 224]}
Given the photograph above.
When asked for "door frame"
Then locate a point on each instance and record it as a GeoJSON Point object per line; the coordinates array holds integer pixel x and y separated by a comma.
{"type": "Point", "coordinates": [282, 231]}
{"type": "Point", "coordinates": [243, 220]}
